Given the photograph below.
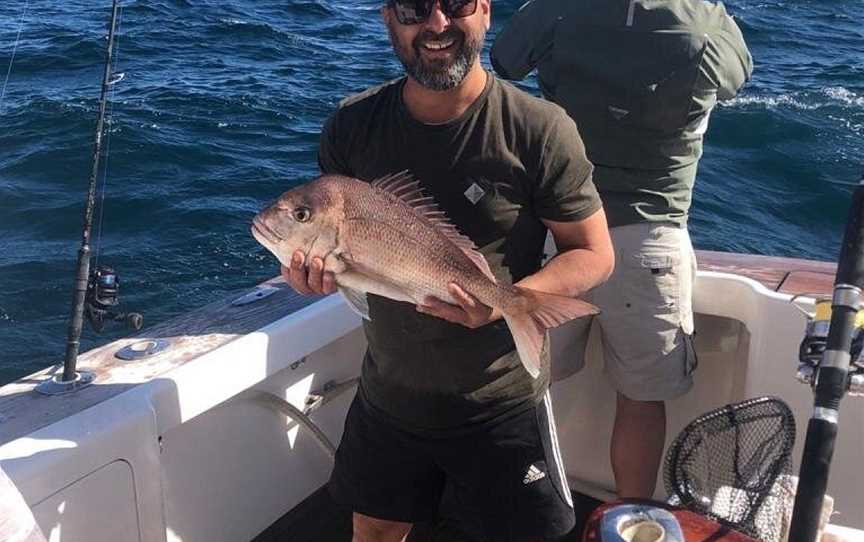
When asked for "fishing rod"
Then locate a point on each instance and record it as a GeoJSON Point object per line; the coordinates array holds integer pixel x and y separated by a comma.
{"type": "Point", "coordinates": [12, 56]}
{"type": "Point", "coordinates": [836, 370]}
{"type": "Point", "coordinates": [94, 292]}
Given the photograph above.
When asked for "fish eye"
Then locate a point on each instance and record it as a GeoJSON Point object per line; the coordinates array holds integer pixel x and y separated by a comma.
{"type": "Point", "coordinates": [302, 214]}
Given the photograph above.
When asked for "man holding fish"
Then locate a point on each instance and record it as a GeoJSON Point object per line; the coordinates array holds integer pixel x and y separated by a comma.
{"type": "Point", "coordinates": [453, 411]}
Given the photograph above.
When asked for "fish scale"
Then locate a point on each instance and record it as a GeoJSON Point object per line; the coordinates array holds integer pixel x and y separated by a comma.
{"type": "Point", "coordinates": [399, 227]}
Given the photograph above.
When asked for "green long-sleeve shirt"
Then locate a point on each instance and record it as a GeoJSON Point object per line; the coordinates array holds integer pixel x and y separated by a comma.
{"type": "Point", "coordinates": [640, 78]}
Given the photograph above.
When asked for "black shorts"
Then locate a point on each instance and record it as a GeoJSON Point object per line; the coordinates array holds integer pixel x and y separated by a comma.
{"type": "Point", "coordinates": [502, 482]}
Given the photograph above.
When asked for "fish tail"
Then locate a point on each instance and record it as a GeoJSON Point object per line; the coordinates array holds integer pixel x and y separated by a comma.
{"type": "Point", "coordinates": [529, 328]}
{"type": "Point", "coordinates": [552, 310]}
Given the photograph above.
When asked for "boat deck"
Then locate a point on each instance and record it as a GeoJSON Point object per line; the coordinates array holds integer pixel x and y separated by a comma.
{"type": "Point", "coordinates": [319, 518]}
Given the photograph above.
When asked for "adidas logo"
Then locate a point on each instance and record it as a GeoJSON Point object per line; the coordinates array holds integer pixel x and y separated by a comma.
{"type": "Point", "coordinates": [533, 475]}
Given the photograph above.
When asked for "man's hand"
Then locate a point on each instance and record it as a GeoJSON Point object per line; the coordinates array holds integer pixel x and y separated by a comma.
{"type": "Point", "coordinates": [469, 312]}
{"type": "Point", "coordinates": [308, 280]}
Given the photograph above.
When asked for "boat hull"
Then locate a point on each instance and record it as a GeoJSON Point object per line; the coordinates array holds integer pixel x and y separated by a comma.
{"type": "Point", "coordinates": [194, 454]}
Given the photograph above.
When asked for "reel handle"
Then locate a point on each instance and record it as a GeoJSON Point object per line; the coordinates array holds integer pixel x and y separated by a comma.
{"type": "Point", "coordinates": [134, 320]}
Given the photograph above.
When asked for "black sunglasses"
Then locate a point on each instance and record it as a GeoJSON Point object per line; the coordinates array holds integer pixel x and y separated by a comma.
{"type": "Point", "coordinates": [418, 11]}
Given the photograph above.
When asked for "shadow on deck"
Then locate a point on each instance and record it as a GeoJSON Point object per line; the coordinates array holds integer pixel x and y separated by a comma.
{"type": "Point", "coordinates": [319, 519]}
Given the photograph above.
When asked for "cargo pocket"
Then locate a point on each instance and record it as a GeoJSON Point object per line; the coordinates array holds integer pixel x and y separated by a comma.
{"type": "Point", "coordinates": [691, 360]}
{"type": "Point", "coordinates": [659, 276]}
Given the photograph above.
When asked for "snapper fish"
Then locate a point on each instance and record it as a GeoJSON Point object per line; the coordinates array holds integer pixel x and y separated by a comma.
{"type": "Point", "coordinates": [390, 239]}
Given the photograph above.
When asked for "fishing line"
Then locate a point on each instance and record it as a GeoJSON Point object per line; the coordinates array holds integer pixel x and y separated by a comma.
{"type": "Point", "coordinates": [14, 49]}
{"type": "Point", "coordinates": [116, 78]}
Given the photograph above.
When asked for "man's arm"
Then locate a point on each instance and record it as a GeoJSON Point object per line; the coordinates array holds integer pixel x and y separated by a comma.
{"type": "Point", "coordinates": [585, 257]}
{"type": "Point", "coordinates": [727, 64]}
{"type": "Point", "coordinates": [525, 39]}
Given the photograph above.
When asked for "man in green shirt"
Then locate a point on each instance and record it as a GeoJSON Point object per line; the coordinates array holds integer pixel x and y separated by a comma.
{"type": "Point", "coordinates": [446, 415]}
{"type": "Point", "coordinates": [640, 78]}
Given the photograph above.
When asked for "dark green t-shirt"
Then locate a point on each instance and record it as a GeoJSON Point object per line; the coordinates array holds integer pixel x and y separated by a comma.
{"type": "Point", "coordinates": [508, 161]}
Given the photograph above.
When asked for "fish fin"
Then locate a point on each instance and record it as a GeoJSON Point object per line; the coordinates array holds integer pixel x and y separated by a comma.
{"type": "Point", "coordinates": [478, 260]}
{"type": "Point", "coordinates": [389, 183]}
{"type": "Point", "coordinates": [529, 328]}
{"type": "Point", "coordinates": [407, 189]}
{"type": "Point", "coordinates": [356, 299]}
{"type": "Point", "coordinates": [528, 336]}
{"type": "Point", "coordinates": [552, 310]}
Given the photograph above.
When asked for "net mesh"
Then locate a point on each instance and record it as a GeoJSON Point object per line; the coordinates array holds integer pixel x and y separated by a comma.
{"type": "Point", "coordinates": [733, 465]}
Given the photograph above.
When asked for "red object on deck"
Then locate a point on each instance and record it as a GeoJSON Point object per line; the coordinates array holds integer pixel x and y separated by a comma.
{"type": "Point", "coordinates": [696, 528]}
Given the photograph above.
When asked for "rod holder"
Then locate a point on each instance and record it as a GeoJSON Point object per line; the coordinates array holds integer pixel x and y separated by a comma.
{"type": "Point", "coordinates": [57, 386]}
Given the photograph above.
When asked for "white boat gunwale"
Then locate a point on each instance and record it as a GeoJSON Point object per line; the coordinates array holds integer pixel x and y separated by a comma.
{"type": "Point", "coordinates": [155, 423]}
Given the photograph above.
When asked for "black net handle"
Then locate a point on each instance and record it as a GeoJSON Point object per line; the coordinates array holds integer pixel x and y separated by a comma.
{"type": "Point", "coordinates": [729, 417]}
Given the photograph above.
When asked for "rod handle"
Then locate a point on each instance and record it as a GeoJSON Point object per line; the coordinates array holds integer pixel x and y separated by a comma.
{"type": "Point", "coordinates": [850, 266]}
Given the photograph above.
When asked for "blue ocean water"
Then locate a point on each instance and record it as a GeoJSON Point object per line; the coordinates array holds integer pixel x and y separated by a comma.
{"type": "Point", "coordinates": [220, 109]}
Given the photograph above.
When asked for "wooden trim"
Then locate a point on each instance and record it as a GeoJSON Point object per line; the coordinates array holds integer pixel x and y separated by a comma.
{"type": "Point", "coordinates": [786, 275]}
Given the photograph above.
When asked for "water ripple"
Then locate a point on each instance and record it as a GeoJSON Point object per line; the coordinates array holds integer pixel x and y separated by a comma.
{"type": "Point", "coordinates": [221, 109]}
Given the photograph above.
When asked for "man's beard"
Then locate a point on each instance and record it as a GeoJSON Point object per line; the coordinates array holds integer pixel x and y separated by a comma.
{"type": "Point", "coordinates": [440, 74]}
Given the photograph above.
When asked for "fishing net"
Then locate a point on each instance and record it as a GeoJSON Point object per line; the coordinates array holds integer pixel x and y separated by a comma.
{"type": "Point", "coordinates": [733, 465]}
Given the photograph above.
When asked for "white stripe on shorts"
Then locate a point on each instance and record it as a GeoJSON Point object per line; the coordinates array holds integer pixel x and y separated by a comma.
{"type": "Point", "coordinates": [556, 450]}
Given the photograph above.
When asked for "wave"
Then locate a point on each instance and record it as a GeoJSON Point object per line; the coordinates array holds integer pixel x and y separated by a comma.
{"type": "Point", "coordinates": [805, 100]}
{"type": "Point", "coordinates": [770, 102]}
{"type": "Point", "coordinates": [222, 109]}
{"type": "Point", "coordinates": [255, 28]}
{"type": "Point", "coordinates": [844, 95]}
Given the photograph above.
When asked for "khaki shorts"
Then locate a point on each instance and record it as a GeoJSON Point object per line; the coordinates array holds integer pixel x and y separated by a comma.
{"type": "Point", "coordinates": [646, 319]}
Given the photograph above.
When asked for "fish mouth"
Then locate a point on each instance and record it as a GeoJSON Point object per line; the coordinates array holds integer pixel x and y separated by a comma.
{"type": "Point", "coordinates": [262, 230]}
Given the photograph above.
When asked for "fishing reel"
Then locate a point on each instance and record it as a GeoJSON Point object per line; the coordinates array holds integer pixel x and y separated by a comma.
{"type": "Point", "coordinates": [815, 340]}
{"type": "Point", "coordinates": [103, 294]}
